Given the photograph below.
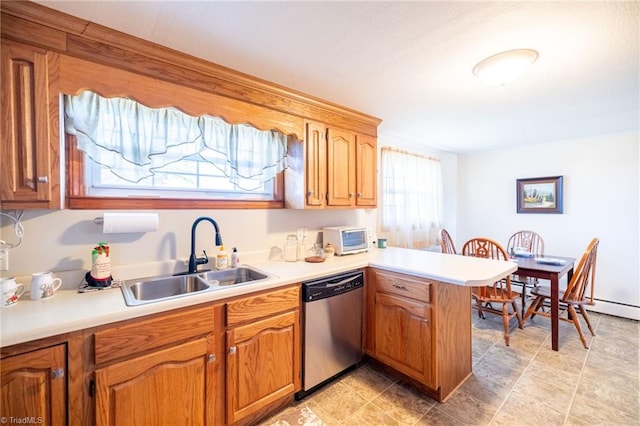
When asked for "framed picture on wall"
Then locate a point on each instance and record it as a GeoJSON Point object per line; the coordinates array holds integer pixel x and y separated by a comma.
{"type": "Point", "coordinates": [539, 195]}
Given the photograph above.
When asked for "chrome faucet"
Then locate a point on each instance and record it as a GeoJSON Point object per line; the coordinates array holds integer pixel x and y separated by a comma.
{"type": "Point", "coordinates": [193, 260]}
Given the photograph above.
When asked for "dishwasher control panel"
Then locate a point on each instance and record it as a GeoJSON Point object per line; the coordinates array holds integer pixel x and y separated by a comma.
{"type": "Point", "coordinates": [331, 286]}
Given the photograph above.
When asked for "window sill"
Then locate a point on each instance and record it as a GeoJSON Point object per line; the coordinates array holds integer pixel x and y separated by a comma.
{"type": "Point", "coordinates": [129, 203]}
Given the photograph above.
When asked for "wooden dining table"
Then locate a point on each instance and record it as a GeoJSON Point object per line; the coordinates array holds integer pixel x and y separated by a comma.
{"type": "Point", "coordinates": [530, 267]}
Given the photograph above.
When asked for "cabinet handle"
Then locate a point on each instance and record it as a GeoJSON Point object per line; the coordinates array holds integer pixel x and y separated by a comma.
{"type": "Point", "coordinates": [43, 179]}
{"type": "Point", "coordinates": [310, 193]}
{"type": "Point", "coordinates": [232, 350]}
{"type": "Point", "coordinates": [57, 373]}
{"type": "Point", "coordinates": [425, 321]}
{"type": "Point", "coordinates": [211, 357]}
{"type": "Point", "coordinates": [359, 194]}
{"type": "Point", "coordinates": [351, 195]}
{"type": "Point", "coordinates": [400, 287]}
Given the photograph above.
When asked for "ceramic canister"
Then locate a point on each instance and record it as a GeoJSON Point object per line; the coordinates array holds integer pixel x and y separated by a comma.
{"type": "Point", "coordinates": [43, 285]}
{"type": "Point", "coordinates": [11, 291]}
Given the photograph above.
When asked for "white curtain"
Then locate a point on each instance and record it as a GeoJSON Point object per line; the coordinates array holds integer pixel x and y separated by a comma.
{"type": "Point", "coordinates": [412, 201]}
{"type": "Point", "coordinates": [133, 140]}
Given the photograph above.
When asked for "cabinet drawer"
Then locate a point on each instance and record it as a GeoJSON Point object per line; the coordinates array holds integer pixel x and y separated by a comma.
{"type": "Point", "coordinates": [402, 285]}
{"type": "Point", "coordinates": [140, 335]}
{"type": "Point", "coordinates": [263, 305]}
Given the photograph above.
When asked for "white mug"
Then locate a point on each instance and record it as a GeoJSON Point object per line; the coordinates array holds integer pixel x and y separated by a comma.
{"type": "Point", "coordinates": [11, 291]}
{"type": "Point", "coordinates": [43, 285]}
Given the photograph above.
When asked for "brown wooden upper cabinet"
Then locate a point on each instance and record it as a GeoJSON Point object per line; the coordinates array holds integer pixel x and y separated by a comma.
{"type": "Point", "coordinates": [45, 53]}
{"type": "Point", "coordinates": [29, 144]}
{"type": "Point", "coordinates": [331, 168]}
{"type": "Point", "coordinates": [366, 171]}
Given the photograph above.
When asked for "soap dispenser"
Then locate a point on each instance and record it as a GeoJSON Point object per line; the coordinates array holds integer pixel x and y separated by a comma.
{"type": "Point", "coordinates": [221, 259]}
{"type": "Point", "coordinates": [235, 257]}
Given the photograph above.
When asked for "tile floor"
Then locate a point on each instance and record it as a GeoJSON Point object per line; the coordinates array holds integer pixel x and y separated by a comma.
{"type": "Point", "coordinates": [524, 384]}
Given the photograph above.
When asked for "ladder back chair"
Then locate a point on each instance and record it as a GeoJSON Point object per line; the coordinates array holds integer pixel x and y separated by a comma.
{"type": "Point", "coordinates": [499, 292]}
{"type": "Point", "coordinates": [528, 240]}
{"type": "Point", "coordinates": [574, 296]}
{"type": "Point", "coordinates": [446, 243]}
{"type": "Point", "coordinates": [533, 243]}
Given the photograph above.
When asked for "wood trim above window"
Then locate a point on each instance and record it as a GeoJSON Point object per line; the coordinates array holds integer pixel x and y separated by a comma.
{"type": "Point", "coordinates": [77, 75]}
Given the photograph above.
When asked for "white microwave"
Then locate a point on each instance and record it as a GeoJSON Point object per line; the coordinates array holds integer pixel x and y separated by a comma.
{"type": "Point", "coordinates": [346, 239]}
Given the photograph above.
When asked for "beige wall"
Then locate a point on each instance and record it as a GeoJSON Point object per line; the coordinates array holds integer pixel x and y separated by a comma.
{"type": "Point", "coordinates": [601, 199]}
{"type": "Point", "coordinates": [62, 240]}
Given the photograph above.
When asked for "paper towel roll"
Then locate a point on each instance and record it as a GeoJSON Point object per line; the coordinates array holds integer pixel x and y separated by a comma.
{"type": "Point", "coordinates": [119, 223]}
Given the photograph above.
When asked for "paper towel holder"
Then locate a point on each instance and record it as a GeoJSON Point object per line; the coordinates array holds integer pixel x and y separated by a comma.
{"type": "Point", "coordinates": [147, 222]}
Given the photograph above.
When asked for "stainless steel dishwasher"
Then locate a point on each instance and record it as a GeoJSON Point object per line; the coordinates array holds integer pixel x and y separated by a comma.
{"type": "Point", "coordinates": [332, 309]}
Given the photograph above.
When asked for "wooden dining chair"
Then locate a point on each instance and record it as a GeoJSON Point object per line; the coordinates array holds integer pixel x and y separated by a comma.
{"type": "Point", "coordinates": [574, 296]}
{"type": "Point", "coordinates": [527, 240]}
{"type": "Point", "coordinates": [499, 292]}
{"type": "Point", "coordinates": [446, 243]}
{"type": "Point", "coordinates": [533, 243]}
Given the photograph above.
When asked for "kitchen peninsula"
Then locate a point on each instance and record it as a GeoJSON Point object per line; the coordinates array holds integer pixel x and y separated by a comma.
{"type": "Point", "coordinates": [414, 299]}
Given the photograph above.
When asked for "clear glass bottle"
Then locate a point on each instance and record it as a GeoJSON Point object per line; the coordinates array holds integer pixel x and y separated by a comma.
{"type": "Point", "coordinates": [302, 248]}
{"type": "Point", "coordinates": [290, 252]}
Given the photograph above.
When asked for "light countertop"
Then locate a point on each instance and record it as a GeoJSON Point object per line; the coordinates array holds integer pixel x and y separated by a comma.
{"type": "Point", "coordinates": [69, 310]}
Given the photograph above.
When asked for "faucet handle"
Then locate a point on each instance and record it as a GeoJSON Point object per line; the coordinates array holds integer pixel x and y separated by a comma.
{"type": "Point", "coordinates": [202, 260]}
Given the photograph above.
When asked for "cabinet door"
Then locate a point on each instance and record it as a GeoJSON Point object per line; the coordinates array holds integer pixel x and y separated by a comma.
{"type": "Point", "coordinates": [366, 178]}
{"type": "Point", "coordinates": [316, 171]}
{"type": "Point", "coordinates": [263, 364]}
{"type": "Point", "coordinates": [34, 387]}
{"type": "Point", "coordinates": [29, 146]}
{"type": "Point", "coordinates": [171, 386]}
{"type": "Point", "coordinates": [403, 336]}
{"type": "Point", "coordinates": [341, 163]}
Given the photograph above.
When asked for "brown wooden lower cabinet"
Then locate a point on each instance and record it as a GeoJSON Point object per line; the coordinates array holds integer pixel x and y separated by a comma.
{"type": "Point", "coordinates": [403, 336]}
{"type": "Point", "coordinates": [34, 387]}
{"type": "Point", "coordinates": [263, 353]}
{"type": "Point", "coordinates": [242, 356]}
{"type": "Point", "coordinates": [161, 369]}
{"type": "Point", "coordinates": [420, 328]}
{"type": "Point", "coordinates": [260, 364]}
{"type": "Point", "coordinates": [171, 386]}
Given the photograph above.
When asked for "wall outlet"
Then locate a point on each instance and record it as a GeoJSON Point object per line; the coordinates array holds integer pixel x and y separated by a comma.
{"type": "Point", "coordinates": [4, 259]}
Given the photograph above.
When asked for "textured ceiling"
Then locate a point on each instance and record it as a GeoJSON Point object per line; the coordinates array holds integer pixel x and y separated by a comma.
{"type": "Point", "coordinates": [410, 63]}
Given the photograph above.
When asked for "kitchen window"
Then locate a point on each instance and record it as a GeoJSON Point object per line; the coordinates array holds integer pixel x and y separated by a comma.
{"type": "Point", "coordinates": [189, 177]}
{"type": "Point", "coordinates": [120, 149]}
{"type": "Point", "coordinates": [411, 212]}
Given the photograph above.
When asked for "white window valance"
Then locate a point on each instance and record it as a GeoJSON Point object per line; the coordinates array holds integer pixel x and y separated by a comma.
{"type": "Point", "coordinates": [133, 140]}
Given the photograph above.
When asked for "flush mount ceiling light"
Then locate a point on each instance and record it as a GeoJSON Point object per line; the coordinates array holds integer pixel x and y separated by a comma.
{"type": "Point", "coordinates": [505, 67]}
